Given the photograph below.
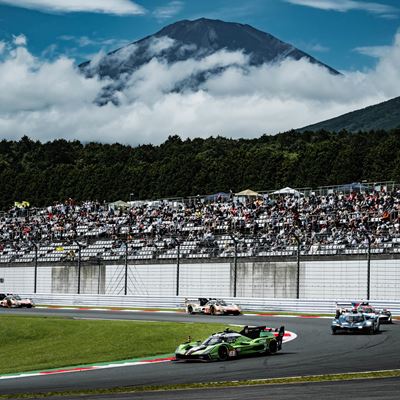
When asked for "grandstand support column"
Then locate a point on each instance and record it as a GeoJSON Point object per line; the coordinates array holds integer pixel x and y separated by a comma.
{"type": "Point", "coordinates": [36, 267]}
{"type": "Point", "coordinates": [178, 261]}
{"type": "Point", "coordinates": [79, 265]}
{"type": "Point", "coordinates": [368, 265]}
{"type": "Point", "coordinates": [298, 241]}
{"type": "Point", "coordinates": [235, 242]}
{"type": "Point", "coordinates": [126, 269]}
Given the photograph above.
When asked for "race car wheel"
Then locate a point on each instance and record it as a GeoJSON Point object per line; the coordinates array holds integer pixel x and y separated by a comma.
{"type": "Point", "coordinates": [29, 306]}
{"type": "Point", "coordinates": [223, 353]}
{"type": "Point", "coordinates": [190, 310]}
{"type": "Point", "coordinates": [212, 310]}
{"type": "Point", "coordinates": [273, 347]}
{"type": "Point", "coordinates": [333, 331]}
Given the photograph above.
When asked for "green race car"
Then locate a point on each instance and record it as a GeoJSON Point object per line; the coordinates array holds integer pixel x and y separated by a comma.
{"type": "Point", "coordinates": [229, 344]}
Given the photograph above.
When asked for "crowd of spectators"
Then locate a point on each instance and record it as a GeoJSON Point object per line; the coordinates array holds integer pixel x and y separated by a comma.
{"type": "Point", "coordinates": [274, 222]}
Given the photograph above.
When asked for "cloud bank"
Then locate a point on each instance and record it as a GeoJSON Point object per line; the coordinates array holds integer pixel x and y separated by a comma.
{"type": "Point", "coordinates": [118, 7]}
{"type": "Point", "coordinates": [169, 10]}
{"type": "Point", "coordinates": [51, 99]}
{"type": "Point", "coordinates": [380, 9]}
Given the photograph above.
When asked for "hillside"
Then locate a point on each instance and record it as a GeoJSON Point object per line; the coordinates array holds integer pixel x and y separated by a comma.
{"type": "Point", "coordinates": [384, 116]}
{"type": "Point", "coordinates": [55, 171]}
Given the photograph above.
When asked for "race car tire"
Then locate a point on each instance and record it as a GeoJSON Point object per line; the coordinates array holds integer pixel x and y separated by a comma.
{"type": "Point", "coordinates": [190, 310]}
{"type": "Point", "coordinates": [223, 353]}
{"type": "Point", "coordinates": [333, 331]}
{"type": "Point", "coordinates": [29, 306]}
{"type": "Point", "coordinates": [272, 347]}
{"type": "Point", "coordinates": [212, 310]}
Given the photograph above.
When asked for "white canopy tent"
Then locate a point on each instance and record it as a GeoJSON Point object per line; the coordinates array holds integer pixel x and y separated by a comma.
{"type": "Point", "coordinates": [288, 190]}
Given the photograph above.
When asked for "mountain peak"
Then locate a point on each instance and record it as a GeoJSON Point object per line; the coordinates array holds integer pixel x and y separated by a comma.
{"type": "Point", "coordinates": [185, 40]}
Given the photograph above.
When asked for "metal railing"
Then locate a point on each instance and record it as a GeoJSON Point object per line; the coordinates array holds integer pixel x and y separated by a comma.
{"type": "Point", "coordinates": [318, 306]}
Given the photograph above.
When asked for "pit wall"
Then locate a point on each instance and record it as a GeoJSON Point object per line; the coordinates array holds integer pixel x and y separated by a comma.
{"type": "Point", "coordinates": [343, 279]}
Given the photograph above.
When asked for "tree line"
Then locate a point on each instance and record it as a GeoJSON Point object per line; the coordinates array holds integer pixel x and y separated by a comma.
{"type": "Point", "coordinates": [42, 173]}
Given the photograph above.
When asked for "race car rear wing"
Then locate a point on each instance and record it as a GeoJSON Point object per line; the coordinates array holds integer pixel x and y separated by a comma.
{"type": "Point", "coordinates": [202, 301]}
{"type": "Point", "coordinates": [254, 332]}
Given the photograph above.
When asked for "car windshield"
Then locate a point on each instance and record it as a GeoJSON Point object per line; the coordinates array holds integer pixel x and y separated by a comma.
{"type": "Point", "coordinates": [221, 302]}
{"type": "Point", "coordinates": [16, 297]}
{"type": "Point", "coordinates": [212, 340]}
{"type": "Point", "coordinates": [353, 318]}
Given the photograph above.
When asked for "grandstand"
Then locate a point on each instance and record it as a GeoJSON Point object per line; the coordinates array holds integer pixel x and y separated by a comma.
{"type": "Point", "coordinates": [338, 221]}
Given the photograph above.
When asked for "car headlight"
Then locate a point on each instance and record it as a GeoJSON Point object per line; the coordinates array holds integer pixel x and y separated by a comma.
{"type": "Point", "coordinates": [368, 323]}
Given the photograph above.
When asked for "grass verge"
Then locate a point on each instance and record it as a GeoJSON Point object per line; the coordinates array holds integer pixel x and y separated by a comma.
{"type": "Point", "coordinates": [35, 343]}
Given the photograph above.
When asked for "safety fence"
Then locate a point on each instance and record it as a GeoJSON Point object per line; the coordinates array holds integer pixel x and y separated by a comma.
{"type": "Point", "coordinates": [320, 306]}
{"type": "Point", "coordinates": [351, 277]}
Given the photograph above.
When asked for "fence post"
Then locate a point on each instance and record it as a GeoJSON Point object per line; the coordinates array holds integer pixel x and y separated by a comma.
{"type": "Point", "coordinates": [36, 267]}
{"type": "Point", "coordinates": [297, 237]}
{"type": "Point", "coordinates": [235, 242]}
{"type": "Point", "coordinates": [79, 266]}
{"type": "Point", "coordinates": [126, 268]}
{"type": "Point", "coordinates": [368, 266]}
{"type": "Point", "coordinates": [178, 255]}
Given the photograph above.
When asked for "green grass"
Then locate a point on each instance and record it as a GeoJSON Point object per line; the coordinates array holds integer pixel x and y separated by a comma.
{"type": "Point", "coordinates": [34, 343]}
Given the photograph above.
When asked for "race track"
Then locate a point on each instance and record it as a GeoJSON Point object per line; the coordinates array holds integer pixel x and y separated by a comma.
{"type": "Point", "coordinates": [315, 351]}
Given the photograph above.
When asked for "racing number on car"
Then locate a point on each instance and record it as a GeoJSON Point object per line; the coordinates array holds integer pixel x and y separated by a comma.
{"type": "Point", "coordinates": [232, 353]}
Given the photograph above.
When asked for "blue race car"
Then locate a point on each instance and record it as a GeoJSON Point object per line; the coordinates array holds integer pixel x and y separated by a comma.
{"type": "Point", "coordinates": [355, 323]}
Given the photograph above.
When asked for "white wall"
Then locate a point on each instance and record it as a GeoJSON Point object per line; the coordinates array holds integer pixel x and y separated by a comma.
{"type": "Point", "coordinates": [318, 279]}
{"type": "Point", "coordinates": [333, 280]}
{"type": "Point", "coordinates": [385, 279]}
{"type": "Point", "coordinates": [143, 280]}
{"type": "Point", "coordinates": [152, 280]}
{"type": "Point", "coordinates": [17, 280]}
{"type": "Point", "coordinates": [270, 280]}
{"type": "Point", "coordinates": [207, 280]}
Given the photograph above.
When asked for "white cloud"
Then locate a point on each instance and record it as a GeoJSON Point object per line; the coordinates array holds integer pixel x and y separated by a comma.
{"type": "Point", "coordinates": [373, 51]}
{"type": "Point", "coordinates": [168, 11]}
{"type": "Point", "coordinates": [383, 10]}
{"type": "Point", "coordinates": [20, 40]}
{"type": "Point", "coordinates": [2, 46]}
{"type": "Point", "coordinates": [243, 101]}
{"type": "Point", "coordinates": [85, 41]}
{"type": "Point", "coordinates": [118, 7]}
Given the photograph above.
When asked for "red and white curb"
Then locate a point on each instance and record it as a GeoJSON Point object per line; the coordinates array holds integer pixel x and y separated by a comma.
{"type": "Point", "coordinates": [86, 368]}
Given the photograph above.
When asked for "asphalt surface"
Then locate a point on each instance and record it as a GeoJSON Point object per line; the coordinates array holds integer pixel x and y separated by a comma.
{"type": "Point", "coordinates": [314, 352]}
{"type": "Point", "coordinates": [382, 389]}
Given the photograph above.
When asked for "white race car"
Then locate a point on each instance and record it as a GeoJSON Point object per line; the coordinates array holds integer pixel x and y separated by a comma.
{"type": "Point", "coordinates": [203, 305]}
{"type": "Point", "coordinates": [15, 301]}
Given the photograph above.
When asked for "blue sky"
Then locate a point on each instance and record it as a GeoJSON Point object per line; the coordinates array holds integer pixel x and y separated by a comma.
{"type": "Point", "coordinates": [43, 94]}
{"type": "Point", "coordinates": [341, 33]}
